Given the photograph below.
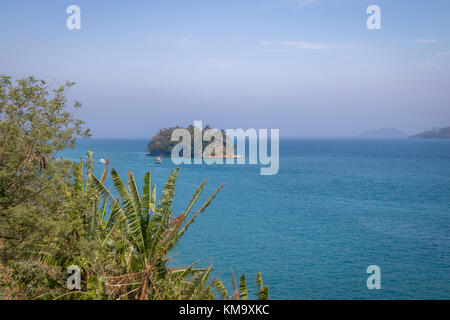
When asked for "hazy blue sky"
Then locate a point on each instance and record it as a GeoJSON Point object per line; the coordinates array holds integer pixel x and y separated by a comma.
{"type": "Point", "coordinates": [307, 67]}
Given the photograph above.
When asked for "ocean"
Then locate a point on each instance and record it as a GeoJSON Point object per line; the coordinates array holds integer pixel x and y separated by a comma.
{"type": "Point", "coordinates": [335, 207]}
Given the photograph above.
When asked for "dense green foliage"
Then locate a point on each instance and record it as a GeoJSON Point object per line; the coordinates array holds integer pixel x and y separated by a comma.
{"type": "Point", "coordinates": [34, 124]}
{"type": "Point", "coordinates": [55, 214]}
{"type": "Point", "coordinates": [161, 144]}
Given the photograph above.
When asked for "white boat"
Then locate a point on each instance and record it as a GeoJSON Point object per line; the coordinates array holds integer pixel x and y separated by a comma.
{"type": "Point", "coordinates": [102, 161]}
{"type": "Point", "coordinates": [158, 160]}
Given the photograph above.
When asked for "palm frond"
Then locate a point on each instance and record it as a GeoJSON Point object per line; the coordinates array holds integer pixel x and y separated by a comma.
{"type": "Point", "coordinates": [236, 290]}
{"type": "Point", "coordinates": [129, 211]}
{"type": "Point", "coordinates": [146, 194]}
{"type": "Point", "coordinates": [243, 293]}
{"type": "Point", "coordinates": [105, 171]}
{"type": "Point", "coordinates": [263, 292]}
{"type": "Point", "coordinates": [158, 225]}
{"type": "Point", "coordinates": [134, 194]}
{"type": "Point", "coordinates": [221, 290]}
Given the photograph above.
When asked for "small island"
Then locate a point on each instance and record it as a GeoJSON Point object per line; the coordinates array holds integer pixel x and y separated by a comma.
{"type": "Point", "coordinates": [442, 133]}
{"type": "Point", "coordinates": [161, 144]}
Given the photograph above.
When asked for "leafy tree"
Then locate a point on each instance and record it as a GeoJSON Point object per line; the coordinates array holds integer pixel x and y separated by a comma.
{"type": "Point", "coordinates": [35, 123]}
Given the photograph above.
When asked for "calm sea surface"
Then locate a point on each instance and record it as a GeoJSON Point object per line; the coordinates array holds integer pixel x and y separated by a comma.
{"type": "Point", "coordinates": [335, 207]}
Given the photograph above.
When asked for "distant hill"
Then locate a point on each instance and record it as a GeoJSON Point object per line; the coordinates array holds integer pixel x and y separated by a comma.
{"type": "Point", "coordinates": [383, 133]}
{"type": "Point", "coordinates": [443, 133]}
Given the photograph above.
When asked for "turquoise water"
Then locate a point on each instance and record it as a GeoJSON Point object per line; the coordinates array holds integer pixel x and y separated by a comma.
{"type": "Point", "coordinates": [335, 207]}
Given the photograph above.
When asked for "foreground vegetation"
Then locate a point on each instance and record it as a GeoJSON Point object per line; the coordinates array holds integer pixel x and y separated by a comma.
{"type": "Point", "coordinates": [55, 214]}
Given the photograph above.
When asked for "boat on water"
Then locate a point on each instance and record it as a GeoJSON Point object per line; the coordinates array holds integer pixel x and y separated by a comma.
{"type": "Point", "coordinates": [158, 160]}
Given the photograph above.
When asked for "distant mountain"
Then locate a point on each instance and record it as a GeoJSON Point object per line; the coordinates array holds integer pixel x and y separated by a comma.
{"type": "Point", "coordinates": [443, 133]}
{"type": "Point", "coordinates": [383, 133]}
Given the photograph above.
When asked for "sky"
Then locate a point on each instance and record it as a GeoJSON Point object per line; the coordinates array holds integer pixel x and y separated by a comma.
{"type": "Point", "coordinates": [310, 68]}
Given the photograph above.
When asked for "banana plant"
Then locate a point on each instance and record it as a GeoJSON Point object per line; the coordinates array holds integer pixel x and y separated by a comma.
{"type": "Point", "coordinates": [152, 232]}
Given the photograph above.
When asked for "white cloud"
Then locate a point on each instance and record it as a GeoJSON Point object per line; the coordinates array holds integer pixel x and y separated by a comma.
{"type": "Point", "coordinates": [265, 43]}
{"type": "Point", "coordinates": [429, 64]}
{"type": "Point", "coordinates": [300, 3]}
{"type": "Point", "coordinates": [424, 40]}
{"type": "Point", "coordinates": [300, 45]}
{"type": "Point", "coordinates": [217, 63]}
{"type": "Point", "coordinates": [304, 45]}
